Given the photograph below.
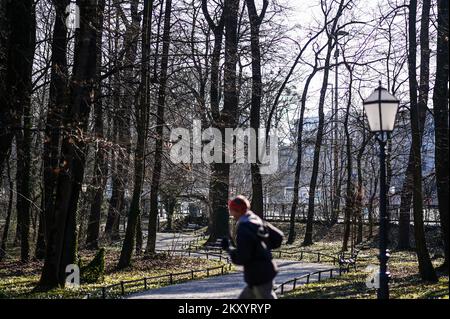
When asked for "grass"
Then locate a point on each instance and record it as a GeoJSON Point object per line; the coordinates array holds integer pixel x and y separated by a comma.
{"type": "Point", "coordinates": [19, 280]}
{"type": "Point", "coordinates": [405, 281]}
{"type": "Point", "coordinates": [405, 284]}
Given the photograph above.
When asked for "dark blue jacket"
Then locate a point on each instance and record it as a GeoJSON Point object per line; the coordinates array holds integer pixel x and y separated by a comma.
{"type": "Point", "coordinates": [252, 252]}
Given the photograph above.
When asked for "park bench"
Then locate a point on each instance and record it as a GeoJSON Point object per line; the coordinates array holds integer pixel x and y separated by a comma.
{"type": "Point", "coordinates": [191, 227]}
{"type": "Point", "coordinates": [214, 247]}
{"type": "Point", "coordinates": [346, 262]}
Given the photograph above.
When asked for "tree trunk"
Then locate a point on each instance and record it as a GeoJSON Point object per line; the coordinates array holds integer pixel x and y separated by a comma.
{"type": "Point", "coordinates": [350, 196]}
{"type": "Point", "coordinates": [298, 165]}
{"type": "Point", "coordinates": [336, 190]}
{"type": "Point", "coordinates": [139, 236]}
{"type": "Point", "coordinates": [157, 164]}
{"type": "Point", "coordinates": [308, 240]}
{"type": "Point", "coordinates": [405, 207]}
{"type": "Point", "coordinates": [360, 196]}
{"type": "Point", "coordinates": [141, 121]}
{"type": "Point", "coordinates": [214, 100]}
{"type": "Point", "coordinates": [371, 205]}
{"type": "Point", "coordinates": [348, 213]}
{"type": "Point", "coordinates": [70, 176]}
{"type": "Point", "coordinates": [112, 203]}
{"type": "Point", "coordinates": [23, 186]}
{"type": "Point", "coordinates": [100, 165]}
{"type": "Point", "coordinates": [8, 213]}
{"type": "Point", "coordinates": [121, 130]}
{"type": "Point", "coordinates": [441, 123]}
{"type": "Point", "coordinates": [169, 203]}
{"type": "Point", "coordinates": [5, 111]}
{"type": "Point", "coordinates": [24, 36]}
{"type": "Point", "coordinates": [120, 177]}
{"type": "Point", "coordinates": [56, 109]}
{"type": "Point", "coordinates": [228, 118]}
{"type": "Point", "coordinates": [257, 205]}
{"type": "Point", "coordinates": [425, 266]}
{"type": "Point", "coordinates": [407, 189]}
{"type": "Point", "coordinates": [11, 59]}
{"type": "Point", "coordinates": [39, 251]}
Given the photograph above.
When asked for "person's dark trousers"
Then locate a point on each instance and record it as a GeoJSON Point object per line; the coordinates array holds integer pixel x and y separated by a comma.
{"type": "Point", "coordinates": [264, 291]}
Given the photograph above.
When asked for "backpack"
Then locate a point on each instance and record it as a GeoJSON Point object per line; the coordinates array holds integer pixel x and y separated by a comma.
{"type": "Point", "coordinates": [270, 235]}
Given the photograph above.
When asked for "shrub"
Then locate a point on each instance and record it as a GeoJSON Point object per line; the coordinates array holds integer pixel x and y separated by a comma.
{"type": "Point", "coordinates": [94, 271]}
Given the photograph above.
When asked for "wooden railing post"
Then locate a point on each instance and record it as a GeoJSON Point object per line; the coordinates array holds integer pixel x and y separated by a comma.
{"type": "Point", "coordinates": [171, 278]}
{"type": "Point", "coordinates": [104, 292]}
{"type": "Point", "coordinates": [145, 283]}
{"type": "Point", "coordinates": [122, 288]}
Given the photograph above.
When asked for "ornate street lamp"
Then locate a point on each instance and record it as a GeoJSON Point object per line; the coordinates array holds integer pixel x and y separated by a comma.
{"type": "Point", "coordinates": [335, 120]}
{"type": "Point", "coordinates": [381, 110]}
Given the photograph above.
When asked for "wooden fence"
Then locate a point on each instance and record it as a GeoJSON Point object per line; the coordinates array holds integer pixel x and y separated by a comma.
{"type": "Point", "coordinates": [306, 279]}
{"type": "Point", "coordinates": [146, 281]}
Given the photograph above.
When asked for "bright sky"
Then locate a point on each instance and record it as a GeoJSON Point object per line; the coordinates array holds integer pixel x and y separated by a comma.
{"type": "Point", "coordinates": [304, 14]}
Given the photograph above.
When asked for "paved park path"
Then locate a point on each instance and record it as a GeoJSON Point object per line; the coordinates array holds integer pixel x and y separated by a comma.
{"type": "Point", "coordinates": [169, 241]}
{"type": "Point", "coordinates": [228, 286]}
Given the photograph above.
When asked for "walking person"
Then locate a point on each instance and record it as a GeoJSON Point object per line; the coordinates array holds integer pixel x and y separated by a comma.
{"type": "Point", "coordinates": [254, 240]}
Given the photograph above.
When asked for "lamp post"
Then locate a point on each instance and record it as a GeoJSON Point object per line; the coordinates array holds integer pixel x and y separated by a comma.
{"type": "Point", "coordinates": [381, 110]}
{"type": "Point", "coordinates": [335, 203]}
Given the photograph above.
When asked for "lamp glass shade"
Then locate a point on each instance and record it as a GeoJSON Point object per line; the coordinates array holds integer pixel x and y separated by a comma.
{"type": "Point", "coordinates": [381, 110]}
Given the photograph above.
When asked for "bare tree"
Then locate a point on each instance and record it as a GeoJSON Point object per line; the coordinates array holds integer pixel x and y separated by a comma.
{"type": "Point", "coordinates": [298, 165]}
{"type": "Point", "coordinates": [407, 191]}
{"type": "Point", "coordinates": [157, 165]}
{"type": "Point", "coordinates": [8, 213]}
{"type": "Point", "coordinates": [308, 240]}
{"type": "Point", "coordinates": [255, 109]}
{"type": "Point", "coordinates": [425, 266]}
{"type": "Point", "coordinates": [56, 108]}
{"type": "Point", "coordinates": [350, 200]}
{"type": "Point", "coordinates": [71, 173]}
{"type": "Point", "coordinates": [100, 165]}
{"type": "Point", "coordinates": [441, 123]}
{"type": "Point", "coordinates": [24, 32]}
{"type": "Point", "coordinates": [219, 185]}
{"type": "Point", "coordinates": [217, 30]}
{"type": "Point", "coordinates": [141, 123]}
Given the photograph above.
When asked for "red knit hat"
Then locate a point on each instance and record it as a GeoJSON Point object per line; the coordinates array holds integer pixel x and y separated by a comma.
{"type": "Point", "coordinates": [239, 204]}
